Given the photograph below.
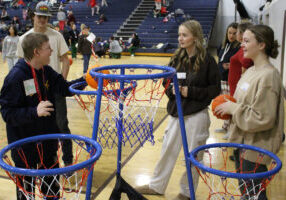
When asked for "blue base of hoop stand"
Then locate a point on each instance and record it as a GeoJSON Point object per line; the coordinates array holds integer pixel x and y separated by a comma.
{"type": "Point", "coordinates": [168, 72]}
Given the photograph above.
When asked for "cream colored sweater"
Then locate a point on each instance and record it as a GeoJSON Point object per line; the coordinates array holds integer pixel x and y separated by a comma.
{"type": "Point", "coordinates": [258, 116]}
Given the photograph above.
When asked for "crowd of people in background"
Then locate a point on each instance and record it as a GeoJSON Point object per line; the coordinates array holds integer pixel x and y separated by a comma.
{"type": "Point", "coordinates": [68, 26]}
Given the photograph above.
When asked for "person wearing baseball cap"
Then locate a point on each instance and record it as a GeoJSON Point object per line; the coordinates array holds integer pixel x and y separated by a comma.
{"type": "Point", "coordinates": [43, 9]}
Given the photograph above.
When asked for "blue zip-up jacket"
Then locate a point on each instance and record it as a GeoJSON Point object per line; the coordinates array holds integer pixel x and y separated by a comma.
{"type": "Point", "coordinates": [19, 110]}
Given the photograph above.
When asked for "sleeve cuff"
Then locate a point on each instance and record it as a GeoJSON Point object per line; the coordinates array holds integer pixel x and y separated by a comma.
{"type": "Point", "coordinates": [234, 107]}
{"type": "Point", "coordinates": [34, 113]}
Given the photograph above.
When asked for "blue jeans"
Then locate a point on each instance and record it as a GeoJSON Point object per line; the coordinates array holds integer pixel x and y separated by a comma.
{"type": "Point", "coordinates": [86, 58]}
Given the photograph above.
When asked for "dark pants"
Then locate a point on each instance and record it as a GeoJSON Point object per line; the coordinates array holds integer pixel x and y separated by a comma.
{"type": "Point", "coordinates": [132, 50]}
{"type": "Point", "coordinates": [100, 53]}
{"type": "Point", "coordinates": [49, 186]}
{"type": "Point", "coordinates": [247, 185]}
{"type": "Point", "coordinates": [61, 113]}
{"type": "Point", "coordinates": [73, 50]}
{"type": "Point", "coordinates": [86, 58]}
{"type": "Point", "coordinates": [62, 122]}
{"type": "Point", "coordinates": [114, 55]}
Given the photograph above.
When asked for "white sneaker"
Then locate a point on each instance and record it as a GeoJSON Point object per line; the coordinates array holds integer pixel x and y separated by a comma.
{"type": "Point", "coordinates": [226, 136]}
{"type": "Point", "coordinates": [220, 130]}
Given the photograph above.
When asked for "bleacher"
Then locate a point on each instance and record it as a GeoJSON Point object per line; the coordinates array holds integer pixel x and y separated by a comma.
{"type": "Point", "coordinates": [15, 12]}
{"type": "Point", "coordinates": [152, 31]}
{"type": "Point", "coordinates": [116, 14]}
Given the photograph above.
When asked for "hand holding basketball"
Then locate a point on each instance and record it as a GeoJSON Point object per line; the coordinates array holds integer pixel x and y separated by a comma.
{"type": "Point", "coordinates": [184, 91]}
{"type": "Point", "coordinates": [221, 106]}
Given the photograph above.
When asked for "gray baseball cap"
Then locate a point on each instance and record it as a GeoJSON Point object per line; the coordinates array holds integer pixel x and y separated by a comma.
{"type": "Point", "coordinates": [43, 9]}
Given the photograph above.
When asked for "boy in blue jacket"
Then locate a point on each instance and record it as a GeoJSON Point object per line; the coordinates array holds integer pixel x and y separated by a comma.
{"type": "Point", "coordinates": [27, 99]}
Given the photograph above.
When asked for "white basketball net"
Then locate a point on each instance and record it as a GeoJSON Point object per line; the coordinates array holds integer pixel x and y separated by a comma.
{"type": "Point", "coordinates": [69, 186]}
{"type": "Point", "coordinates": [140, 100]}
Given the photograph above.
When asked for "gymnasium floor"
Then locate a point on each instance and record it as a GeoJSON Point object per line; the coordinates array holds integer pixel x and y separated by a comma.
{"type": "Point", "coordinates": [139, 168]}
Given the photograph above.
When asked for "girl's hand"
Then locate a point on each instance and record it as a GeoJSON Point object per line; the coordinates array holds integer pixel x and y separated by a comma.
{"type": "Point", "coordinates": [184, 91]}
{"type": "Point", "coordinates": [173, 89]}
{"type": "Point", "coordinates": [224, 108]}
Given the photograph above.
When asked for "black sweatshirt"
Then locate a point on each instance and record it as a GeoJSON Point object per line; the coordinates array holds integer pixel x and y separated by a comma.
{"type": "Point", "coordinates": [84, 46]}
{"type": "Point", "coordinates": [227, 56]}
{"type": "Point", "coordinates": [203, 86]}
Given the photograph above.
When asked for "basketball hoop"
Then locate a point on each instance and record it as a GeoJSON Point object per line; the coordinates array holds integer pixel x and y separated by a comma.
{"type": "Point", "coordinates": [227, 182]}
{"type": "Point", "coordinates": [139, 98]}
{"type": "Point", "coordinates": [56, 181]}
{"type": "Point", "coordinates": [126, 103]}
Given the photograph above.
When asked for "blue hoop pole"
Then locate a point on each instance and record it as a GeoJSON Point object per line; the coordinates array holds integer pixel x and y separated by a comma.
{"type": "Point", "coordinates": [230, 174]}
{"type": "Point", "coordinates": [184, 137]}
{"type": "Point", "coordinates": [49, 172]}
{"type": "Point", "coordinates": [94, 131]}
{"type": "Point", "coordinates": [120, 126]}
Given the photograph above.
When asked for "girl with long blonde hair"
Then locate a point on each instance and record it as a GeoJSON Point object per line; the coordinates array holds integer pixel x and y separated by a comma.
{"type": "Point", "coordinates": [199, 82]}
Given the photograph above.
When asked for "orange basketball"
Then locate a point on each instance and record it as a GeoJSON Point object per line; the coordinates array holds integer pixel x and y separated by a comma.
{"type": "Point", "coordinates": [70, 59]}
{"type": "Point", "coordinates": [93, 82]}
{"type": "Point", "coordinates": [219, 100]}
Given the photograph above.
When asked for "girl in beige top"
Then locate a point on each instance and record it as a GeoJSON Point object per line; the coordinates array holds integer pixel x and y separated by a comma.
{"type": "Point", "coordinates": [258, 114]}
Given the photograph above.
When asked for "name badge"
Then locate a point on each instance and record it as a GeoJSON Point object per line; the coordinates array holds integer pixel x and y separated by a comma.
{"type": "Point", "coordinates": [244, 86]}
{"type": "Point", "coordinates": [181, 75]}
{"type": "Point", "coordinates": [29, 86]}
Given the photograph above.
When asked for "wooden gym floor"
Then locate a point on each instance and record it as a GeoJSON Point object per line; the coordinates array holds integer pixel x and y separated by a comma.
{"type": "Point", "coordinates": [137, 170]}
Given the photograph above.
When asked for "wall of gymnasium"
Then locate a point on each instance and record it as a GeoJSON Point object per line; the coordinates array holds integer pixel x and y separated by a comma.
{"type": "Point", "coordinates": [273, 16]}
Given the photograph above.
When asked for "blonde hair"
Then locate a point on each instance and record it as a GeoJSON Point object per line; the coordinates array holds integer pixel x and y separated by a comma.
{"type": "Point", "coordinates": [82, 26]}
{"type": "Point", "coordinates": [181, 57]}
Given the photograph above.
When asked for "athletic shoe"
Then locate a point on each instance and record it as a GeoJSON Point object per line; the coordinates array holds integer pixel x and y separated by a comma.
{"type": "Point", "coordinates": [145, 189]}
{"type": "Point", "coordinates": [220, 130]}
{"type": "Point", "coordinates": [226, 136]}
{"type": "Point", "coordinates": [181, 197]}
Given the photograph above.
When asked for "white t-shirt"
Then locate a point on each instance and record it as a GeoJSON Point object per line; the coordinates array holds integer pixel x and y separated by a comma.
{"type": "Point", "coordinates": [58, 45]}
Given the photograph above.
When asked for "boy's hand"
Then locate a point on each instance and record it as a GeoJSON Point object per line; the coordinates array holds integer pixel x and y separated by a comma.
{"type": "Point", "coordinates": [44, 108]}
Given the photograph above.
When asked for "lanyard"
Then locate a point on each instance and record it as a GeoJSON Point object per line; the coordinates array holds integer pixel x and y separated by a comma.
{"type": "Point", "coordinates": [37, 84]}
{"type": "Point", "coordinates": [226, 49]}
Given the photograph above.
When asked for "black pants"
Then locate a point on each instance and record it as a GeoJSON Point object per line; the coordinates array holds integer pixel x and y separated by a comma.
{"type": "Point", "coordinates": [247, 185]}
{"type": "Point", "coordinates": [62, 122]}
